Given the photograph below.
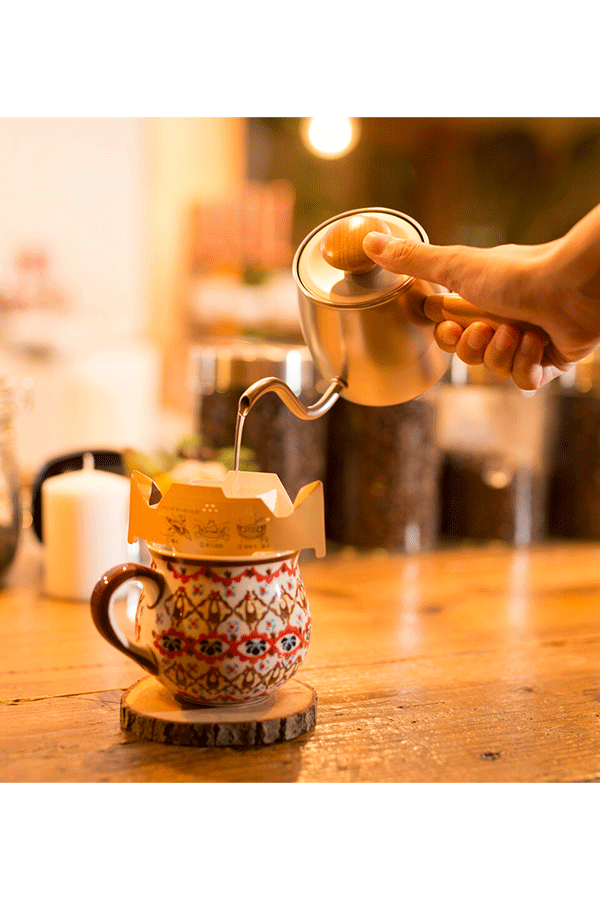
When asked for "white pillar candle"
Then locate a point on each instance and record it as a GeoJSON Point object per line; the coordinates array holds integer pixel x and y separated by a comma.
{"type": "Point", "coordinates": [84, 529]}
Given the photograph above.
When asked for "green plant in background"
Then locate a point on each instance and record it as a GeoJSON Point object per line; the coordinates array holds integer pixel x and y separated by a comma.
{"type": "Point", "coordinates": [190, 447]}
{"type": "Point", "coordinates": [151, 465]}
{"type": "Point", "coordinates": [255, 275]}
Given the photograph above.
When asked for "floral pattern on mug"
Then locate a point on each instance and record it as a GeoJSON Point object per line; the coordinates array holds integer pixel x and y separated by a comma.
{"type": "Point", "coordinates": [226, 633]}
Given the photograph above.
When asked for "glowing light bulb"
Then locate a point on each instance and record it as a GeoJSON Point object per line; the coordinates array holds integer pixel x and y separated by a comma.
{"type": "Point", "coordinates": [331, 136]}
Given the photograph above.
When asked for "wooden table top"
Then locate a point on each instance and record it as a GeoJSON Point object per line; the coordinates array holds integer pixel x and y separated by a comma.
{"type": "Point", "coordinates": [469, 665]}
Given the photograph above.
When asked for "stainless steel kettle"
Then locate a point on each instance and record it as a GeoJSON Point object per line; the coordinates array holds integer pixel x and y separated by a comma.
{"type": "Point", "coordinates": [370, 331]}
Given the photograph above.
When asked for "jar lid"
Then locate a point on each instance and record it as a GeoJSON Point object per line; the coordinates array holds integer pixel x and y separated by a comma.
{"type": "Point", "coordinates": [218, 367]}
{"type": "Point", "coordinates": [330, 286]}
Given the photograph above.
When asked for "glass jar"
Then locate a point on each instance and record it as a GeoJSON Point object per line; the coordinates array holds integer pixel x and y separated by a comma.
{"type": "Point", "coordinates": [495, 439]}
{"type": "Point", "coordinates": [574, 493]}
{"type": "Point", "coordinates": [381, 483]}
{"type": "Point", "coordinates": [14, 396]}
{"type": "Point", "coordinates": [219, 374]}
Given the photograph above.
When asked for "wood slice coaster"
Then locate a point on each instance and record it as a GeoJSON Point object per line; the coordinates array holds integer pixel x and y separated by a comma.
{"type": "Point", "coordinates": [150, 711]}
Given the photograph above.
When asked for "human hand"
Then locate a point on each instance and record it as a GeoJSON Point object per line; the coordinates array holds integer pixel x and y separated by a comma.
{"type": "Point", "coordinates": [540, 285]}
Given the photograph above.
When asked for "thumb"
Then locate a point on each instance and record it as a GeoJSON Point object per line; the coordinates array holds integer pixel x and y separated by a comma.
{"type": "Point", "coordinates": [436, 264]}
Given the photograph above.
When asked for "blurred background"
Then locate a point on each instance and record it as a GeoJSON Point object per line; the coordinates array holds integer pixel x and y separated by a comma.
{"type": "Point", "coordinates": [145, 276]}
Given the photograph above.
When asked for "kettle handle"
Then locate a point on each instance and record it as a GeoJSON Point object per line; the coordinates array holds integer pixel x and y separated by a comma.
{"type": "Point", "coordinates": [452, 308]}
{"type": "Point", "coordinates": [101, 603]}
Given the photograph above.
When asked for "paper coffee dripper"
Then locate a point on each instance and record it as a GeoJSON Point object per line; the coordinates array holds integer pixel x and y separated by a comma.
{"type": "Point", "coordinates": [246, 514]}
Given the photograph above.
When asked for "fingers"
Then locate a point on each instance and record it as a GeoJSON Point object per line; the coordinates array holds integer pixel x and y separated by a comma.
{"type": "Point", "coordinates": [447, 335]}
{"type": "Point", "coordinates": [527, 371]}
{"type": "Point", "coordinates": [499, 354]}
{"type": "Point", "coordinates": [468, 343]}
{"type": "Point", "coordinates": [472, 343]}
{"type": "Point", "coordinates": [505, 353]}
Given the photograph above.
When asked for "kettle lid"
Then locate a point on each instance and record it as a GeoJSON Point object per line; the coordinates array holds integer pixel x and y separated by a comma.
{"type": "Point", "coordinates": [329, 275]}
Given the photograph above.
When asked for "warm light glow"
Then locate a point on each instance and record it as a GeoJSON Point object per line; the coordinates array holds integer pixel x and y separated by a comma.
{"type": "Point", "coordinates": [331, 136]}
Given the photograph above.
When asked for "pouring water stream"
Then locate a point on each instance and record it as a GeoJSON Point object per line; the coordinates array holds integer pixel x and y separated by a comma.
{"type": "Point", "coordinates": [279, 387]}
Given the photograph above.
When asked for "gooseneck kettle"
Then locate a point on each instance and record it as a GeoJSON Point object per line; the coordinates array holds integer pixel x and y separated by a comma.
{"type": "Point", "coordinates": [370, 331]}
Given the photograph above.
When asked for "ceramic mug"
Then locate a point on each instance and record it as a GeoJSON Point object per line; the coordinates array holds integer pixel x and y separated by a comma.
{"type": "Point", "coordinates": [212, 631]}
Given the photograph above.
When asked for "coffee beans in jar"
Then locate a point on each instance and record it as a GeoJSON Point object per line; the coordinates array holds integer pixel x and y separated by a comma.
{"type": "Point", "coordinates": [381, 483]}
{"type": "Point", "coordinates": [574, 494]}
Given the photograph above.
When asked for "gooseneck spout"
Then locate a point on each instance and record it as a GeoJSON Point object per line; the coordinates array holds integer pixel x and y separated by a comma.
{"type": "Point", "coordinates": [279, 387]}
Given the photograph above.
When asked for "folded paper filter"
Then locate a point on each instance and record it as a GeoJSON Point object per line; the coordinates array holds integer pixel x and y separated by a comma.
{"type": "Point", "coordinates": [246, 514]}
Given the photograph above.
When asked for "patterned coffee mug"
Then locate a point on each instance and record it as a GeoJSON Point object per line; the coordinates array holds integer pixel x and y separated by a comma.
{"type": "Point", "coordinates": [212, 631]}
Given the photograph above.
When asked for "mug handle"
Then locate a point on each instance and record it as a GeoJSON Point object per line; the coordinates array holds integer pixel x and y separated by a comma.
{"type": "Point", "coordinates": [101, 607]}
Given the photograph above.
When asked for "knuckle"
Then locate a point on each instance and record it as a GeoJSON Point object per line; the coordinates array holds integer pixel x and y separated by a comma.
{"type": "Point", "coordinates": [403, 250]}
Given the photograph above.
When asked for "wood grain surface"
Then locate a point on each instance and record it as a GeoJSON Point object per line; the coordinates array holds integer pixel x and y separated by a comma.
{"type": "Point", "coordinates": [470, 665]}
{"type": "Point", "coordinates": [149, 710]}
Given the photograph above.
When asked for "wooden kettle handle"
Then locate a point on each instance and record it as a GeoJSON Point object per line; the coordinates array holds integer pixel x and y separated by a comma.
{"type": "Point", "coordinates": [452, 308]}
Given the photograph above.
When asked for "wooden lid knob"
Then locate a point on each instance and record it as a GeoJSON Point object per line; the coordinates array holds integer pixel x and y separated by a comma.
{"type": "Point", "coordinates": [341, 245]}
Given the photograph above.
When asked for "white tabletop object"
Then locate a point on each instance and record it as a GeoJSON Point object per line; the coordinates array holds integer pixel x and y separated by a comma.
{"type": "Point", "coordinates": [84, 530]}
